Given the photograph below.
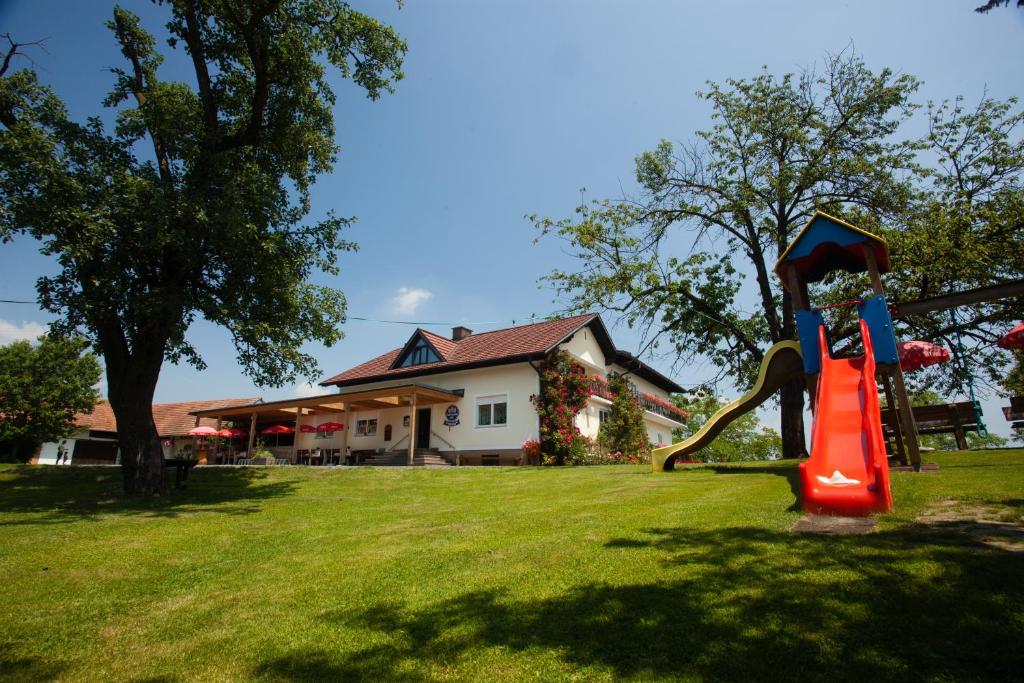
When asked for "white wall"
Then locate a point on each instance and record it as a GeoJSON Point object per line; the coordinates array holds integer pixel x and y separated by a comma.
{"type": "Point", "coordinates": [585, 348]}
{"type": "Point", "coordinates": [517, 381]}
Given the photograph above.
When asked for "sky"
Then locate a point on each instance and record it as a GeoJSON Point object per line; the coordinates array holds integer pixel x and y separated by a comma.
{"type": "Point", "coordinates": [508, 109]}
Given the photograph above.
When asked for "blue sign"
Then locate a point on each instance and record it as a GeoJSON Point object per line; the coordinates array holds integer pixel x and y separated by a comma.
{"type": "Point", "coordinates": [451, 417]}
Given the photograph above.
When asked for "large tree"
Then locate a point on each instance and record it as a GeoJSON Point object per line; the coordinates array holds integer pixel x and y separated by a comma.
{"type": "Point", "coordinates": [42, 386]}
{"type": "Point", "coordinates": [193, 204]}
{"type": "Point", "coordinates": [674, 257]}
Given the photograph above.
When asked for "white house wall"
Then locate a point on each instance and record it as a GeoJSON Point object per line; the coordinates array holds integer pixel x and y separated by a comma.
{"type": "Point", "coordinates": [518, 381]}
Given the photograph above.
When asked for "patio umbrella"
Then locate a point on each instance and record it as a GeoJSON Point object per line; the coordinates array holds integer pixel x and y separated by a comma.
{"type": "Point", "coordinates": [915, 355]}
{"type": "Point", "coordinates": [307, 429]}
{"type": "Point", "coordinates": [330, 427]}
{"type": "Point", "coordinates": [277, 430]}
{"type": "Point", "coordinates": [203, 431]}
{"type": "Point", "coordinates": [1014, 339]}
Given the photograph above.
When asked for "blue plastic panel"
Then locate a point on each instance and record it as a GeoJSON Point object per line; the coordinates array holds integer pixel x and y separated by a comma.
{"type": "Point", "coordinates": [876, 313]}
{"type": "Point", "coordinates": [807, 324]}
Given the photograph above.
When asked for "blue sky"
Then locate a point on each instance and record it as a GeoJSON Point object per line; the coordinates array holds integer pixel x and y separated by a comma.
{"type": "Point", "coordinates": [509, 108]}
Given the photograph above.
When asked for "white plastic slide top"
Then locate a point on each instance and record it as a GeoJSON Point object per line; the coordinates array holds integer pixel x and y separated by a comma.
{"type": "Point", "coordinates": [837, 479]}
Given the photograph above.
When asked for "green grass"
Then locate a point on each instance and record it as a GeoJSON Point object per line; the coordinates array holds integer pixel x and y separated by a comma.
{"type": "Point", "coordinates": [515, 573]}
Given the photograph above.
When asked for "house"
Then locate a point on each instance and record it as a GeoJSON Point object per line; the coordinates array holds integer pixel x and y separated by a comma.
{"type": "Point", "coordinates": [463, 399]}
{"type": "Point", "coordinates": [95, 442]}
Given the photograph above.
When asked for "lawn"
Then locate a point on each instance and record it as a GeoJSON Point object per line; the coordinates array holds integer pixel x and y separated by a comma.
{"type": "Point", "coordinates": [504, 573]}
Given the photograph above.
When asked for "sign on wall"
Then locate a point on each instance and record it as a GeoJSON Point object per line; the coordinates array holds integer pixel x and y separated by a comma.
{"type": "Point", "coordinates": [451, 416]}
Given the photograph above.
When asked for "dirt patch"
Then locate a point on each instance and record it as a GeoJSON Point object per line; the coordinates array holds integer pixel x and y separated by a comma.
{"type": "Point", "coordinates": [827, 525]}
{"type": "Point", "coordinates": [997, 526]}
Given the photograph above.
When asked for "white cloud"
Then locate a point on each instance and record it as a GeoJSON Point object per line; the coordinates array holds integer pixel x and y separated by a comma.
{"type": "Point", "coordinates": [26, 330]}
{"type": "Point", "coordinates": [409, 299]}
{"type": "Point", "coordinates": [307, 389]}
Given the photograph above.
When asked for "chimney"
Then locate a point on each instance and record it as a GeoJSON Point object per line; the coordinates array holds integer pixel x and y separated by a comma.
{"type": "Point", "coordinates": [460, 333]}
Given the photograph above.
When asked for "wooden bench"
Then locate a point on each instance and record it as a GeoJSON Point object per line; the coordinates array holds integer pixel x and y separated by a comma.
{"type": "Point", "coordinates": [948, 418]}
{"type": "Point", "coordinates": [1015, 412]}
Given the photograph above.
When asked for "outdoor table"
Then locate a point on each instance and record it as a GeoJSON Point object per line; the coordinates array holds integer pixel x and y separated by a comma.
{"type": "Point", "coordinates": [181, 468]}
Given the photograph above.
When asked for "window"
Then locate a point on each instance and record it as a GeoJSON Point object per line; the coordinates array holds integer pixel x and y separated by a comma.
{"type": "Point", "coordinates": [603, 416]}
{"type": "Point", "coordinates": [324, 435]}
{"type": "Point", "coordinates": [492, 411]}
{"type": "Point", "coordinates": [366, 427]}
{"type": "Point", "coordinates": [419, 354]}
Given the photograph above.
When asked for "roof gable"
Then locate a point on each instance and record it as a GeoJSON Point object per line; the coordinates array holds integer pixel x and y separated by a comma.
{"type": "Point", "coordinates": [419, 350]}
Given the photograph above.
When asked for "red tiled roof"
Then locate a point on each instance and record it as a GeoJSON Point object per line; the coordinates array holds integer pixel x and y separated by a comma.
{"type": "Point", "coordinates": [486, 348]}
{"type": "Point", "coordinates": [172, 419]}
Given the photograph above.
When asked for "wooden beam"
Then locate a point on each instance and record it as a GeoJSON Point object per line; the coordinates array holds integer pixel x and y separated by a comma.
{"type": "Point", "coordinates": [795, 290]}
{"type": "Point", "coordinates": [970, 296]}
{"type": "Point", "coordinates": [872, 264]}
{"type": "Point", "coordinates": [901, 451]}
{"type": "Point", "coordinates": [252, 435]}
{"type": "Point", "coordinates": [907, 414]}
{"type": "Point", "coordinates": [412, 429]}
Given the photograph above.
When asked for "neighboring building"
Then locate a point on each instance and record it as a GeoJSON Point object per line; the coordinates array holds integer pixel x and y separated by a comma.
{"type": "Point", "coordinates": [95, 442]}
{"type": "Point", "coordinates": [464, 398]}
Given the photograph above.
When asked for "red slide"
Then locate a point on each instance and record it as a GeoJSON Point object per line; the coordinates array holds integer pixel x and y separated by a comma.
{"type": "Point", "coordinates": [847, 473]}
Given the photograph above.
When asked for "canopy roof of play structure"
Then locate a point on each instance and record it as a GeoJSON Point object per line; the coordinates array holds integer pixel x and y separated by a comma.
{"type": "Point", "coordinates": [827, 243]}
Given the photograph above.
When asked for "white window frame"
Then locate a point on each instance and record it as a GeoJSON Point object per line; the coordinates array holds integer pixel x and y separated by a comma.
{"type": "Point", "coordinates": [367, 420]}
{"type": "Point", "coordinates": [491, 400]}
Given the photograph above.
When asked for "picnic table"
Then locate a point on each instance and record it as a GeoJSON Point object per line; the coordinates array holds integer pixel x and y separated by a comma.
{"type": "Point", "coordinates": [946, 418]}
{"type": "Point", "coordinates": [181, 469]}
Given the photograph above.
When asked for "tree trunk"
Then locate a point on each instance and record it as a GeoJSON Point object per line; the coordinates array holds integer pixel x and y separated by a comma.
{"type": "Point", "coordinates": [792, 427]}
{"type": "Point", "coordinates": [142, 457]}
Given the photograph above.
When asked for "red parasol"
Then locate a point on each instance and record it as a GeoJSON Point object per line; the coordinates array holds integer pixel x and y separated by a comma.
{"type": "Point", "coordinates": [330, 427]}
{"type": "Point", "coordinates": [307, 429]}
{"type": "Point", "coordinates": [1014, 339]}
{"type": "Point", "coordinates": [202, 431]}
{"type": "Point", "coordinates": [277, 429]}
{"type": "Point", "coordinates": [915, 355]}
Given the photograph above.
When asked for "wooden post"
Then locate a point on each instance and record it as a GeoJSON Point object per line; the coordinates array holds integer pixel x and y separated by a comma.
{"type": "Point", "coordinates": [344, 434]}
{"type": "Point", "coordinates": [252, 435]}
{"type": "Point", "coordinates": [412, 428]}
{"type": "Point", "coordinates": [958, 427]}
{"type": "Point", "coordinates": [216, 444]}
{"type": "Point", "coordinates": [907, 415]}
{"type": "Point", "coordinates": [295, 436]}
{"type": "Point", "coordinates": [901, 451]}
{"type": "Point", "coordinates": [872, 264]}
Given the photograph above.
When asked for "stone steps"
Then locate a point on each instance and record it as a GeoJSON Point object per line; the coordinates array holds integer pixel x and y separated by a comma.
{"type": "Point", "coordinates": [421, 457]}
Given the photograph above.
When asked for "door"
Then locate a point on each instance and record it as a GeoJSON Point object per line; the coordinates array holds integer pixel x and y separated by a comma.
{"type": "Point", "coordinates": [423, 428]}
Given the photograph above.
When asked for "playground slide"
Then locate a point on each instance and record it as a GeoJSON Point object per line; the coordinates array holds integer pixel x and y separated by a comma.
{"type": "Point", "coordinates": [847, 473]}
{"type": "Point", "coordinates": [782, 363]}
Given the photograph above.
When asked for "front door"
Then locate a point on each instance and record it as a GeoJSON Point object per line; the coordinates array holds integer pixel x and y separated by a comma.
{"type": "Point", "coordinates": [423, 428]}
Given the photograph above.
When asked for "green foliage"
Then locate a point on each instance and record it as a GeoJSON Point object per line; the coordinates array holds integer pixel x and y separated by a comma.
{"type": "Point", "coordinates": [41, 389]}
{"type": "Point", "coordinates": [743, 440]}
{"type": "Point", "coordinates": [624, 434]}
{"type": "Point", "coordinates": [564, 390]}
{"type": "Point", "coordinates": [194, 203]}
{"type": "Point", "coordinates": [964, 229]}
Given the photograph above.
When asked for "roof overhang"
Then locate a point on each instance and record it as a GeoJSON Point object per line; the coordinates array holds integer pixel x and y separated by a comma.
{"type": "Point", "coordinates": [828, 243]}
{"type": "Point", "coordinates": [338, 402]}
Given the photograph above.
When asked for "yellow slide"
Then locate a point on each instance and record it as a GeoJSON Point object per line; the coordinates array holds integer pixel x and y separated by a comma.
{"type": "Point", "coordinates": [782, 363]}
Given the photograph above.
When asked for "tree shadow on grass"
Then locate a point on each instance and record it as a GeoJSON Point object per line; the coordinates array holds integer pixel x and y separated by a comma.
{"type": "Point", "coordinates": [22, 668]}
{"type": "Point", "coordinates": [741, 604]}
{"type": "Point", "coordinates": [60, 495]}
{"type": "Point", "coordinates": [791, 474]}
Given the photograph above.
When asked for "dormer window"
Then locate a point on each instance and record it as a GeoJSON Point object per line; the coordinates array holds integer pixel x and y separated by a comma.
{"type": "Point", "coordinates": [419, 353]}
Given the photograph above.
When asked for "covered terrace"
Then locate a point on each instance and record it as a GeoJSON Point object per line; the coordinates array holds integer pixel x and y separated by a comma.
{"type": "Point", "coordinates": [310, 411]}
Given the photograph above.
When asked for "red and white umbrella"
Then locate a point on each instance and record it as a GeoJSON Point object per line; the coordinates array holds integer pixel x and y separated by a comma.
{"type": "Point", "coordinates": [915, 355]}
{"type": "Point", "coordinates": [203, 431]}
{"type": "Point", "coordinates": [1014, 339]}
{"type": "Point", "coordinates": [330, 427]}
{"type": "Point", "coordinates": [277, 430]}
